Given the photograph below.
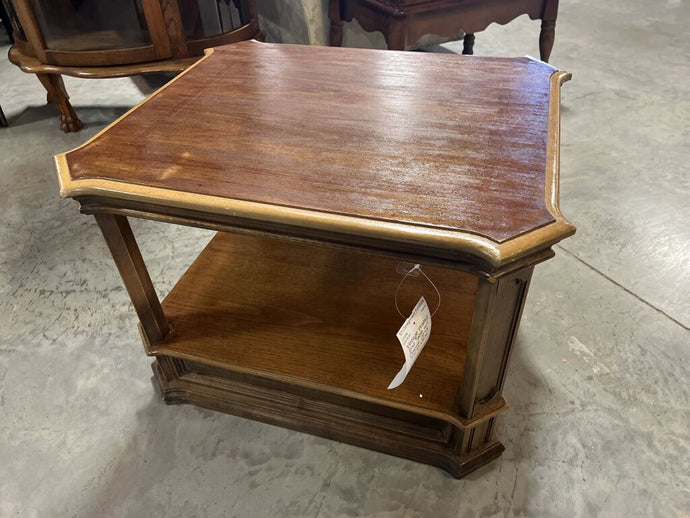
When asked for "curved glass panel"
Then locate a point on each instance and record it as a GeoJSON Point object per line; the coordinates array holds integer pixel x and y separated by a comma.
{"type": "Point", "coordinates": [74, 25]}
{"type": "Point", "coordinates": [207, 18]}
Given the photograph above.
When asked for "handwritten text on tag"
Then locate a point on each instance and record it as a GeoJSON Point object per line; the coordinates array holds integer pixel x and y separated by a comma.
{"type": "Point", "coordinates": [413, 336]}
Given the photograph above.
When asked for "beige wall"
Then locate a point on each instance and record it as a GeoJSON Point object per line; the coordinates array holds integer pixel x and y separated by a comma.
{"type": "Point", "coordinates": [306, 22]}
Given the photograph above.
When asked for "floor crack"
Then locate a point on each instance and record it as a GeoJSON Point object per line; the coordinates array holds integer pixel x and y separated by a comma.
{"type": "Point", "coordinates": [627, 290]}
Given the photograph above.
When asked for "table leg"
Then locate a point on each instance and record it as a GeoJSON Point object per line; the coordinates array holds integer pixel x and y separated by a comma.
{"type": "Point", "coordinates": [497, 313]}
{"type": "Point", "coordinates": [396, 36]}
{"type": "Point", "coordinates": [468, 44]}
{"type": "Point", "coordinates": [125, 251]}
{"type": "Point", "coordinates": [548, 29]}
{"type": "Point", "coordinates": [546, 39]}
{"type": "Point", "coordinates": [336, 34]}
{"type": "Point", "coordinates": [57, 94]}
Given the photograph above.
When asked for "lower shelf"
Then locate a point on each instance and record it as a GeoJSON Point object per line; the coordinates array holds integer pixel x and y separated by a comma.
{"type": "Point", "coordinates": [319, 317]}
{"type": "Point", "coordinates": [304, 337]}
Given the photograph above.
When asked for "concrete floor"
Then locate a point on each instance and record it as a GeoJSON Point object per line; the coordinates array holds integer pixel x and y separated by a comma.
{"type": "Point", "coordinates": [598, 384]}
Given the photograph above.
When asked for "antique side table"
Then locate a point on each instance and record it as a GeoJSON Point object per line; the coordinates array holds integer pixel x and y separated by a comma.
{"type": "Point", "coordinates": [325, 172]}
{"type": "Point", "coordinates": [404, 22]}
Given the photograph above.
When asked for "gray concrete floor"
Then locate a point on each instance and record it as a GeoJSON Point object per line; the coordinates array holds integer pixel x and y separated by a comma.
{"type": "Point", "coordinates": [598, 384]}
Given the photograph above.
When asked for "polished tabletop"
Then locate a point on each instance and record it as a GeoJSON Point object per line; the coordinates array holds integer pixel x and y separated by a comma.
{"type": "Point", "coordinates": [449, 151]}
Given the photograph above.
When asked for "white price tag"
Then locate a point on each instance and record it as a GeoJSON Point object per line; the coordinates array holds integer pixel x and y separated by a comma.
{"type": "Point", "coordinates": [413, 336]}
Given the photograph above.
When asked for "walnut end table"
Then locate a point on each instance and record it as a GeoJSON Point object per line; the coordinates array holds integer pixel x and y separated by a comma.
{"type": "Point", "coordinates": [323, 170]}
{"type": "Point", "coordinates": [404, 22]}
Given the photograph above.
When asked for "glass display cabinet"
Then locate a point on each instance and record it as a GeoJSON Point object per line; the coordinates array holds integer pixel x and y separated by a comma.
{"type": "Point", "coordinates": [115, 38]}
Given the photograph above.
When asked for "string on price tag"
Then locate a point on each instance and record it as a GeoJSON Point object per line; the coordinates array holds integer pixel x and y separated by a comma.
{"type": "Point", "coordinates": [413, 272]}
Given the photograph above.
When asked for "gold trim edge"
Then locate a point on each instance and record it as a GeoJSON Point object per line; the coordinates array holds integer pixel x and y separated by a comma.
{"type": "Point", "coordinates": [496, 254]}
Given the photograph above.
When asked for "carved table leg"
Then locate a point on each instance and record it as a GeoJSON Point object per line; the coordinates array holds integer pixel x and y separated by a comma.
{"type": "Point", "coordinates": [336, 34]}
{"type": "Point", "coordinates": [57, 94]}
{"type": "Point", "coordinates": [125, 252]}
{"type": "Point", "coordinates": [546, 39]}
{"type": "Point", "coordinates": [396, 37]}
{"type": "Point", "coordinates": [468, 44]}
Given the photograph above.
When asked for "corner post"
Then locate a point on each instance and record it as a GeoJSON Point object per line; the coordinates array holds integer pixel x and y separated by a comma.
{"type": "Point", "coordinates": [497, 312]}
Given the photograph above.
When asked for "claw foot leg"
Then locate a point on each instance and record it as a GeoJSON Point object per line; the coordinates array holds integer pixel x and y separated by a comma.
{"type": "Point", "coordinates": [57, 94]}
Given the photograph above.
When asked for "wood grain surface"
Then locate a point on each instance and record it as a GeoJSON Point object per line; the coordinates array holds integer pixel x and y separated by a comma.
{"type": "Point", "coordinates": [320, 317]}
{"type": "Point", "coordinates": [437, 141]}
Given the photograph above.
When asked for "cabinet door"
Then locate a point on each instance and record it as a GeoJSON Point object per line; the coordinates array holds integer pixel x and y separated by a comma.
{"type": "Point", "coordinates": [95, 32]}
{"type": "Point", "coordinates": [209, 23]}
{"type": "Point", "coordinates": [209, 18]}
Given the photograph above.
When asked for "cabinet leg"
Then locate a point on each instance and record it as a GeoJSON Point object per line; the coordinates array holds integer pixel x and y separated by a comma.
{"type": "Point", "coordinates": [468, 44]}
{"type": "Point", "coordinates": [125, 251]}
{"type": "Point", "coordinates": [546, 39]}
{"type": "Point", "coordinates": [335, 38]}
{"type": "Point", "coordinates": [396, 38]}
{"type": "Point", "coordinates": [57, 94]}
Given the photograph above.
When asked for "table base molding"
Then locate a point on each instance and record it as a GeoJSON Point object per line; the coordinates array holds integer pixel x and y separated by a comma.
{"type": "Point", "coordinates": [339, 418]}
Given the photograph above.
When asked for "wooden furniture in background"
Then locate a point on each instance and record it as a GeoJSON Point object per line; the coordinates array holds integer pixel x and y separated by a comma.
{"type": "Point", "coordinates": [323, 169]}
{"type": "Point", "coordinates": [116, 38]}
{"type": "Point", "coordinates": [5, 10]}
{"type": "Point", "coordinates": [403, 22]}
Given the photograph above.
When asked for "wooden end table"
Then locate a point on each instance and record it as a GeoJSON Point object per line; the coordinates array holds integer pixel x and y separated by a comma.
{"type": "Point", "coordinates": [404, 22]}
{"type": "Point", "coordinates": [323, 171]}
